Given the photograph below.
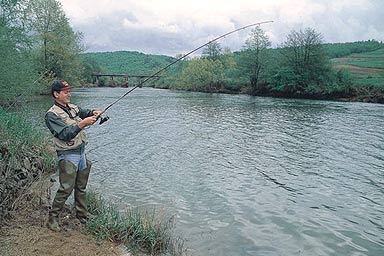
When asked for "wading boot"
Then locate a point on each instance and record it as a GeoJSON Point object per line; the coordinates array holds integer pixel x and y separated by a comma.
{"type": "Point", "coordinates": [81, 195]}
{"type": "Point", "coordinates": [53, 223]}
{"type": "Point", "coordinates": [67, 178]}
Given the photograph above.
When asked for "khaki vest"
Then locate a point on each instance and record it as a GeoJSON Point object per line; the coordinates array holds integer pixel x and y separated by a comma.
{"type": "Point", "coordinates": [80, 138]}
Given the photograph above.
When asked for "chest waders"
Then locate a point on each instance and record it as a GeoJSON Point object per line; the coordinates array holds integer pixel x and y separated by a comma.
{"type": "Point", "coordinates": [70, 179]}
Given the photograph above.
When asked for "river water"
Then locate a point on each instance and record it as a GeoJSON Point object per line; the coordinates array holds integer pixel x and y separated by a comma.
{"type": "Point", "coordinates": [245, 175]}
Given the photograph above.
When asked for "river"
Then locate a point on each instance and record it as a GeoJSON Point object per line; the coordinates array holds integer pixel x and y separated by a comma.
{"type": "Point", "coordinates": [245, 175]}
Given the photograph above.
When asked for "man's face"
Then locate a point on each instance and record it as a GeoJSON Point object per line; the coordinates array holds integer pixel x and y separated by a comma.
{"type": "Point", "coordinates": [63, 97]}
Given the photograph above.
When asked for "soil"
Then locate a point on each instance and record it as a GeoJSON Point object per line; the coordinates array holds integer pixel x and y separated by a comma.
{"type": "Point", "coordinates": [25, 233]}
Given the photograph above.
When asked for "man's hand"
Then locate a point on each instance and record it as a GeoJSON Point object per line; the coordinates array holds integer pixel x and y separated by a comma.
{"type": "Point", "coordinates": [86, 122]}
{"type": "Point", "coordinates": [97, 112]}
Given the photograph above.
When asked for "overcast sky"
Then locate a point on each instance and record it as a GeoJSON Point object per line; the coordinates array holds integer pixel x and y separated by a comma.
{"type": "Point", "coordinates": [173, 27]}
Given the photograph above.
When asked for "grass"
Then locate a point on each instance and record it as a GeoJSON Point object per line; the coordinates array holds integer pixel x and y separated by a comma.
{"type": "Point", "coordinates": [141, 232]}
{"type": "Point", "coordinates": [368, 63]}
{"type": "Point", "coordinates": [367, 69]}
{"type": "Point", "coordinates": [24, 157]}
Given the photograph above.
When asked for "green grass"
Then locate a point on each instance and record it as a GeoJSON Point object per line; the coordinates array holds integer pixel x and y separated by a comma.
{"type": "Point", "coordinates": [374, 81]}
{"type": "Point", "coordinates": [374, 60]}
{"type": "Point", "coordinates": [147, 232]}
{"type": "Point", "coordinates": [368, 64]}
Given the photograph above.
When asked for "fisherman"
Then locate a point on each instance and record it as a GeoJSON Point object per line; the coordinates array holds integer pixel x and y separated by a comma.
{"type": "Point", "coordinates": [66, 122]}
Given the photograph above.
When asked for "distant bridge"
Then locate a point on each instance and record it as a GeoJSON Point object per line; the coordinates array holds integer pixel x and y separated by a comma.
{"type": "Point", "coordinates": [125, 76]}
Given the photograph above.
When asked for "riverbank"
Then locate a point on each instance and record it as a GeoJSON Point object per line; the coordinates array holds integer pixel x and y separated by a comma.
{"type": "Point", "coordinates": [27, 162]}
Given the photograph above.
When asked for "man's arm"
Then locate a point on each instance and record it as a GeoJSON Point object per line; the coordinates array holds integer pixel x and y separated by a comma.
{"type": "Point", "coordinates": [83, 113]}
{"type": "Point", "coordinates": [59, 128]}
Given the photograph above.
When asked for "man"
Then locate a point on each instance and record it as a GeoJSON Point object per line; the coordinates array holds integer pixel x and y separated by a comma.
{"type": "Point", "coordinates": [66, 122]}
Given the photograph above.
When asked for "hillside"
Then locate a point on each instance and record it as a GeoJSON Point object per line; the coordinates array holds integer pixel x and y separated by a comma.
{"type": "Point", "coordinates": [338, 50]}
{"type": "Point", "coordinates": [124, 62]}
{"type": "Point", "coordinates": [367, 68]}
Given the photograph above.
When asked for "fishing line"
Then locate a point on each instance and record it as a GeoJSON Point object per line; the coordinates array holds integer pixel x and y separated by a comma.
{"type": "Point", "coordinates": [104, 119]}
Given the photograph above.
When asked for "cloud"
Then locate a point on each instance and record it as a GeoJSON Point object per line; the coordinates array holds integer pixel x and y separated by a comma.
{"type": "Point", "coordinates": [172, 27]}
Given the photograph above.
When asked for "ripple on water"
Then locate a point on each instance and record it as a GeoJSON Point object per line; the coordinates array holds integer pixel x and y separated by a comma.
{"type": "Point", "coordinates": [247, 175]}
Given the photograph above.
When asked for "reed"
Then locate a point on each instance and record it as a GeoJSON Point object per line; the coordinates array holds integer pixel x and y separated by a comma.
{"type": "Point", "coordinates": [147, 232]}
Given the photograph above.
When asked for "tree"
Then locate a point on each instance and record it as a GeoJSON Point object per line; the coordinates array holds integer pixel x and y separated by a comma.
{"type": "Point", "coordinates": [16, 76]}
{"type": "Point", "coordinates": [58, 47]}
{"type": "Point", "coordinates": [212, 51]}
{"type": "Point", "coordinates": [201, 74]}
{"type": "Point", "coordinates": [254, 57]}
{"type": "Point", "coordinates": [303, 53]}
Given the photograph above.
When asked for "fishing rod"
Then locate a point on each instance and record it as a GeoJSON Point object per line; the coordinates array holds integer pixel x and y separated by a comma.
{"type": "Point", "coordinates": [104, 119]}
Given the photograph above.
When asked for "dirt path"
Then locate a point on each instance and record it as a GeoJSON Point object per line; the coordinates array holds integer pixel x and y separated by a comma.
{"type": "Point", "coordinates": [25, 234]}
{"type": "Point", "coordinates": [39, 241]}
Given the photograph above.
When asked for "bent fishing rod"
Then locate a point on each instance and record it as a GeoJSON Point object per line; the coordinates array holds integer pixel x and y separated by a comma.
{"type": "Point", "coordinates": [104, 119]}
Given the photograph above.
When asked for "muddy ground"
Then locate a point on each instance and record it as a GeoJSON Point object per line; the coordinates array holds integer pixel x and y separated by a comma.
{"type": "Point", "coordinates": [25, 233]}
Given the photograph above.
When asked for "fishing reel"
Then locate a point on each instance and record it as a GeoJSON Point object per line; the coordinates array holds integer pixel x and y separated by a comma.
{"type": "Point", "coordinates": [103, 119]}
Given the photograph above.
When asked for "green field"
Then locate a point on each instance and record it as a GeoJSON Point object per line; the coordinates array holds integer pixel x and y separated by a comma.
{"type": "Point", "coordinates": [366, 68]}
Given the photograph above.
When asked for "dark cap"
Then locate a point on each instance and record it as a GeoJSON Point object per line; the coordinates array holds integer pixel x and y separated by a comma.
{"type": "Point", "coordinates": [60, 85]}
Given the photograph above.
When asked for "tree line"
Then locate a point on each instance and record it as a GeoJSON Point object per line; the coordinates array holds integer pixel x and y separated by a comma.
{"type": "Point", "coordinates": [38, 45]}
{"type": "Point", "coordinates": [299, 67]}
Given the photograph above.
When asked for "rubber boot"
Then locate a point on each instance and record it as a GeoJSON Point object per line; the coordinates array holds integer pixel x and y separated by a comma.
{"type": "Point", "coordinates": [80, 193]}
{"type": "Point", "coordinates": [67, 178]}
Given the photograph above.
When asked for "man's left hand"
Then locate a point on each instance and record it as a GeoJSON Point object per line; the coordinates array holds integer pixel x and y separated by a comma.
{"type": "Point", "coordinates": [97, 112]}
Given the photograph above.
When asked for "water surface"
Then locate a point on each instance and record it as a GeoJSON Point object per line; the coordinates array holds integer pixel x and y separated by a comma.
{"type": "Point", "coordinates": [245, 175]}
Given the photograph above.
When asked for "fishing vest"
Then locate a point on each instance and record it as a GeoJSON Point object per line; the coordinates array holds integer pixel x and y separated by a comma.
{"type": "Point", "coordinates": [80, 138]}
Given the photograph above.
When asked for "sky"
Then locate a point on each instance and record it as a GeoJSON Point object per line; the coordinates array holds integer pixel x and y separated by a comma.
{"type": "Point", "coordinates": [172, 27]}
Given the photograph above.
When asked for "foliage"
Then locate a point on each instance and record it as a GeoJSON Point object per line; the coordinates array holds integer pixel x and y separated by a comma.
{"type": "Point", "coordinates": [337, 50]}
{"type": "Point", "coordinates": [212, 51]}
{"type": "Point", "coordinates": [305, 64]}
{"type": "Point", "coordinates": [16, 65]}
{"type": "Point", "coordinates": [366, 74]}
{"type": "Point", "coordinates": [202, 74]}
{"type": "Point", "coordinates": [147, 232]}
{"type": "Point", "coordinates": [56, 45]}
{"type": "Point", "coordinates": [90, 66]}
{"type": "Point", "coordinates": [36, 43]}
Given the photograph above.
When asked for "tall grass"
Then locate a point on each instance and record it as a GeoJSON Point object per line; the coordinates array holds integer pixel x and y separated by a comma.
{"type": "Point", "coordinates": [24, 156]}
{"type": "Point", "coordinates": [141, 232]}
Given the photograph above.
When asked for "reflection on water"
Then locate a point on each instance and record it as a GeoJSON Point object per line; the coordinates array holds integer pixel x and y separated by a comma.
{"type": "Point", "coordinates": [246, 175]}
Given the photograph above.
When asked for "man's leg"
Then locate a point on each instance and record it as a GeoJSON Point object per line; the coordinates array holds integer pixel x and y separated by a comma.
{"type": "Point", "coordinates": [80, 192]}
{"type": "Point", "coordinates": [67, 178]}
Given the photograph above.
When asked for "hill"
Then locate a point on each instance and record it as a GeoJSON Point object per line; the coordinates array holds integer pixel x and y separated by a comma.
{"type": "Point", "coordinates": [338, 50]}
{"type": "Point", "coordinates": [126, 62]}
{"type": "Point", "coordinates": [367, 68]}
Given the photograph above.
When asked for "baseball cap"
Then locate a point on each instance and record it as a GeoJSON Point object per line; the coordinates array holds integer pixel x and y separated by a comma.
{"type": "Point", "coordinates": [60, 85]}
